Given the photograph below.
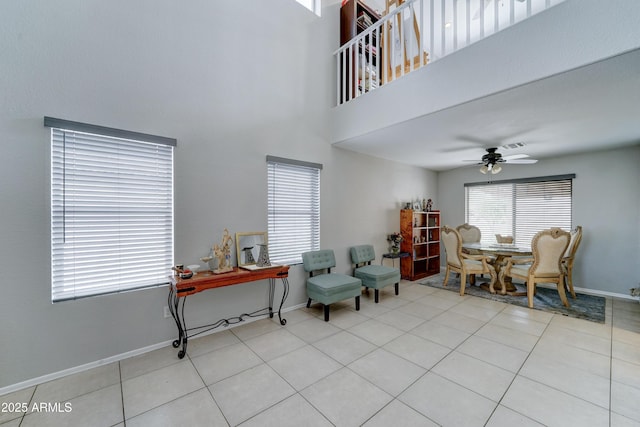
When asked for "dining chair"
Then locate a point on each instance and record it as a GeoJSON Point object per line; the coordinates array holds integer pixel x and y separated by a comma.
{"type": "Point", "coordinates": [373, 276]}
{"type": "Point", "coordinates": [469, 233]}
{"type": "Point", "coordinates": [569, 258]}
{"type": "Point", "coordinates": [328, 287]}
{"type": "Point", "coordinates": [545, 266]}
{"type": "Point", "coordinates": [462, 263]}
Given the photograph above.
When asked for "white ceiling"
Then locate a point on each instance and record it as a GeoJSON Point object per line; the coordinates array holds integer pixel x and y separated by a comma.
{"type": "Point", "coordinates": [591, 108]}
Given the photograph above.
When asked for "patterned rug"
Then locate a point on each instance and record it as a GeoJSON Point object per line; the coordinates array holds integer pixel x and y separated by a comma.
{"type": "Point", "coordinates": [588, 307]}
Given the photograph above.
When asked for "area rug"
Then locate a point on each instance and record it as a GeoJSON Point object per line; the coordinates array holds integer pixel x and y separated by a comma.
{"type": "Point", "coordinates": [588, 307]}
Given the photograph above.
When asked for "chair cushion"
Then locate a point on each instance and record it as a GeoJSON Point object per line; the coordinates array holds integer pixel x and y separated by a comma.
{"type": "Point", "coordinates": [332, 284]}
{"type": "Point", "coordinates": [377, 276]}
{"type": "Point", "coordinates": [475, 266]}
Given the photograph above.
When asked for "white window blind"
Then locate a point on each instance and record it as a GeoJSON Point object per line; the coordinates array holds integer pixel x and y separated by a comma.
{"type": "Point", "coordinates": [519, 208]}
{"type": "Point", "coordinates": [111, 213]}
{"type": "Point", "coordinates": [293, 209]}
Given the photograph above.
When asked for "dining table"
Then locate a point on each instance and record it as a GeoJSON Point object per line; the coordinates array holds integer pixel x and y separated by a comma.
{"type": "Point", "coordinates": [499, 251]}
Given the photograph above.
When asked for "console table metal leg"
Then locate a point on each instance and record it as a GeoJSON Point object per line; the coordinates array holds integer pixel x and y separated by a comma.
{"type": "Point", "coordinates": [177, 311]}
{"type": "Point", "coordinates": [272, 289]}
{"type": "Point", "coordinates": [285, 293]}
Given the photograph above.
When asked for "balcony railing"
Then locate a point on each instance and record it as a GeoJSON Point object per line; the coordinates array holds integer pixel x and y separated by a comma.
{"type": "Point", "coordinates": [420, 32]}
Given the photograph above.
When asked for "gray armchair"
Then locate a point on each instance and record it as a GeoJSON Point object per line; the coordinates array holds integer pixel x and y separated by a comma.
{"type": "Point", "coordinates": [329, 287]}
{"type": "Point", "coordinates": [373, 276]}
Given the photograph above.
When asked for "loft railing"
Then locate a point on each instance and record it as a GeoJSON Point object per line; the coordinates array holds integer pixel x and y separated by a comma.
{"type": "Point", "coordinates": [418, 32]}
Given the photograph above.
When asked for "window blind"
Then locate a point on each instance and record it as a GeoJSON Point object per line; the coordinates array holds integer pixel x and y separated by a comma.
{"type": "Point", "coordinates": [520, 208]}
{"type": "Point", "coordinates": [293, 209]}
{"type": "Point", "coordinates": [111, 214]}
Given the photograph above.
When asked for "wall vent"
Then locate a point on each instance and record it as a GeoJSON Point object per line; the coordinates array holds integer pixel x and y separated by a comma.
{"type": "Point", "coordinates": [513, 145]}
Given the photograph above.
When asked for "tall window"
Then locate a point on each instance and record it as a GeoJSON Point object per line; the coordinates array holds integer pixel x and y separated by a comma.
{"type": "Point", "coordinates": [293, 209]}
{"type": "Point", "coordinates": [111, 209]}
{"type": "Point", "coordinates": [313, 5]}
{"type": "Point", "coordinates": [519, 208]}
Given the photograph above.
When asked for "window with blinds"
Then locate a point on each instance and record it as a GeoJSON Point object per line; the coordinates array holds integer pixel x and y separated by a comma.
{"type": "Point", "coordinates": [293, 209]}
{"type": "Point", "coordinates": [111, 210]}
{"type": "Point", "coordinates": [519, 208]}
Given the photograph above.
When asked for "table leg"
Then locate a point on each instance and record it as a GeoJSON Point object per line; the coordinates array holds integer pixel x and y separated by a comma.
{"type": "Point", "coordinates": [176, 307]}
{"type": "Point", "coordinates": [285, 293]}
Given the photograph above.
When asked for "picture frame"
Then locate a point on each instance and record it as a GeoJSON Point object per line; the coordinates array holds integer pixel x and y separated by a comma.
{"type": "Point", "coordinates": [417, 206]}
{"type": "Point", "coordinates": [248, 242]}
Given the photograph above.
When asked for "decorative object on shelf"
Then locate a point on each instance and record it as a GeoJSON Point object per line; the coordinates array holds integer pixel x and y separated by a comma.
{"type": "Point", "coordinates": [248, 256]}
{"type": "Point", "coordinates": [263, 258]}
{"type": "Point", "coordinates": [395, 239]}
{"type": "Point", "coordinates": [504, 239]}
{"type": "Point", "coordinates": [424, 204]}
{"type": "Point", "coordinates": [209, 259]}
{"type": "Point", "coordinates": [429, 206]}
{"type": "Point", "coordinates": [223, 253]}
{"type": "Point", "coordinates": [416, 206]}
{"type": "Point", "coordinates": [407, 205]}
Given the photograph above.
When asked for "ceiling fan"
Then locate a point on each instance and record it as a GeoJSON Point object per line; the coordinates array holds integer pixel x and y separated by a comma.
{"type": "Point", "coordinates": [491, 161]}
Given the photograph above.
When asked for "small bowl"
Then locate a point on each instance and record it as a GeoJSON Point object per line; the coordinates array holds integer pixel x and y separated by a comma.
{"type": "Point", "coordinates": [194, 268]}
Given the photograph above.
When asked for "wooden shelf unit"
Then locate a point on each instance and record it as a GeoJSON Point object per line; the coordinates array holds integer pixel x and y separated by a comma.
{"type": "Point", "coordinates": [421, 239]}
{"type": "Point", "coordinates": [356, 17]}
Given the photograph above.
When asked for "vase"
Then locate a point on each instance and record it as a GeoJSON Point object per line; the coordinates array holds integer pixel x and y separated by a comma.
{"type": "Point", "coordinates": [263, 258]}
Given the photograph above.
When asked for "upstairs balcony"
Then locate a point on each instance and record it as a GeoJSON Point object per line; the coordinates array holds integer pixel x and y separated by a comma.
{"type": "Point", "coordinates": [471, 52]}
{"type": "Point", "coordinates": [412, 33]}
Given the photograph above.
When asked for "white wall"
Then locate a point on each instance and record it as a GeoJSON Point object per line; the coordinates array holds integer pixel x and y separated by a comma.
{"type": "Point", "coordinates": [606, 202]}
{"type": "Point", "coordinates": [233, 82]}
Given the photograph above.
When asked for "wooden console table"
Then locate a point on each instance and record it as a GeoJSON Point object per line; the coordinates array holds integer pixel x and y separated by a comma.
{"type": "Point", "coordinates": [179, 289]}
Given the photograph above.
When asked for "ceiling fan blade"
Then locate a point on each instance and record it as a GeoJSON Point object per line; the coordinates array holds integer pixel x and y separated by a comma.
{"type": "Point", "coordinates": [515, 157]}
{"type": "Point", "coordinates": [522, 161]}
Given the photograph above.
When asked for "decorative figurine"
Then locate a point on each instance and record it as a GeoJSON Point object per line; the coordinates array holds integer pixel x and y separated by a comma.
{"type": "Point", "coordinates": [223, 253]}
{"type": "Point", "coordinates": [263, 257]}
{"type": "Point", "coordinates": [248, 255]}
{"type": "Point", "coordinates": [429, 205]}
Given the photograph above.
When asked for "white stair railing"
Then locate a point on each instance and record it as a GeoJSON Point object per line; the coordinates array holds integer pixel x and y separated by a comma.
{"type": "Point", "coordinates": [389, 48]}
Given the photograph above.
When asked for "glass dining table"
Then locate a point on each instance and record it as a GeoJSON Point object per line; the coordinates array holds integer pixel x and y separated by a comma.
{"type": "Point", "coordinates": [499, 251]}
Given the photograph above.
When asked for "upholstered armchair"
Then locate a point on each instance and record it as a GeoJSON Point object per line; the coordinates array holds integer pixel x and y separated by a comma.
{"type": "Point", "coordinates": [328, 287]}
{"type": "Point", "coordinates": [569, 258]}
{"type": "Point", "coordinates": [373, 276]}
{"type": "Point", "coordinates": [464, 264]}
{"type": "Point", "coordinates": [545, 266]}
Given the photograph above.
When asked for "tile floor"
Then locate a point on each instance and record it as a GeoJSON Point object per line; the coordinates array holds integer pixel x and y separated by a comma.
{"type": "Point", "coordinates": [427, 357]}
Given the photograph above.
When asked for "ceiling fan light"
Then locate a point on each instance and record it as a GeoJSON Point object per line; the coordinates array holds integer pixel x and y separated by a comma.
{"type": "Point", "coordinates": [484, 169]}
{"type": "Point", "coordinates": [496, 169]}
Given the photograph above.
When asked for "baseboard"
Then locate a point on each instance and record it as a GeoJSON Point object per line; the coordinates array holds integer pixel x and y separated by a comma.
{"type": "Point", "coordinates": [118, 357]}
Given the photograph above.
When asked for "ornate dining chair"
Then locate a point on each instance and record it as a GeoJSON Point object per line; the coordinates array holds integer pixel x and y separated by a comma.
{"type": "Point", "coordinates": [464, 264]}
{"type": "Point", "coordinates": [328, 287]}
{"type": "Point", "coordinates": [545, 266]}
{"type": "Point", "coordinates": [569, 258]}
{"type": "Point", "coordinates": [469, 233]}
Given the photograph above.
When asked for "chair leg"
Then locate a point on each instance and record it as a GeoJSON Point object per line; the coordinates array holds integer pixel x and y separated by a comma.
{"type": "Point", "coordinates": [358, 303]}
{"type": "Point", "coordinates": [446, 276]}
{"type": "Point", "coordinates": [463, 282]}
{"type": "Point", "coordinates": [569, 280]}
{"type": "Point", "coordinates": [531, 289]}
{"type": "Point", "coordinates": [309, 303]}
{"type": "Point", "coordinates": [563, 295]}
{"type": "Point", "coordinates": [376, 295]}
{"type": "Point", "coordinates": [397, 288]}
{"type": "Point", "coordinates": [326, 312]}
